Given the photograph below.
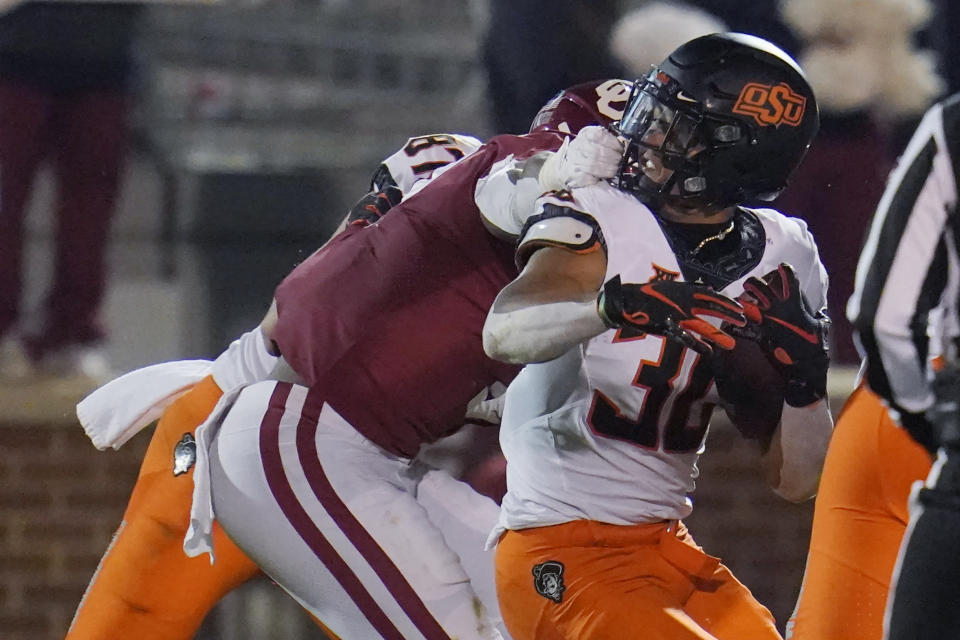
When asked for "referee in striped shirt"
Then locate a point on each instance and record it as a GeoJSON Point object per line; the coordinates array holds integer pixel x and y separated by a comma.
{"type": "Point", "coordinates": [904, 310]}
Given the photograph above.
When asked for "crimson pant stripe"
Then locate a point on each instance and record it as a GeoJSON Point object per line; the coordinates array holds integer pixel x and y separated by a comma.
{"type": "Point", "coordinates": [388, 572]}
{"type": "Point", "coordinates": [298, 517]}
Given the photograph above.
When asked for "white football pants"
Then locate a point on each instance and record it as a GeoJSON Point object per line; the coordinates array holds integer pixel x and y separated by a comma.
{"type": "Point", "coordinates": [371, 544]}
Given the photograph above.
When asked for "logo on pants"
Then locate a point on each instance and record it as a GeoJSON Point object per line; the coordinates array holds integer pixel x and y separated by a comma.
{"type": "Point", "coordinates": [184, 454]}
{"type": "Point", "coordinates": [548, 580]}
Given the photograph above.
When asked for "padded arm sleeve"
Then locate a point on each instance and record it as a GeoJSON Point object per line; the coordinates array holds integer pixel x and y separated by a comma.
{"type": "Point", "coordinates": [804, 436]}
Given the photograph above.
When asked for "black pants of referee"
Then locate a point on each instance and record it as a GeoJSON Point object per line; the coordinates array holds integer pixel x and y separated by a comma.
{"type": "Point", "coordinates": [925, 602]}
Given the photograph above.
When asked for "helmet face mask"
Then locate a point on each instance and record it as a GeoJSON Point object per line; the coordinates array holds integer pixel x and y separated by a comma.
{"type": "Point", "coordinates": [723, 120]}
{"type": "Point", "coordinates": [669, 140]}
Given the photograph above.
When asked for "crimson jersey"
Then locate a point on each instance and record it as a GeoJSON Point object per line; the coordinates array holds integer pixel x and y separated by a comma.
{"type": "Point", "coordinates": [387, 321]}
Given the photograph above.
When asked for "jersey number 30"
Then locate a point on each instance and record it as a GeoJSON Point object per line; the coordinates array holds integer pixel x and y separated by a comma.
{"type": "Point", "coordinates": [664, 402]}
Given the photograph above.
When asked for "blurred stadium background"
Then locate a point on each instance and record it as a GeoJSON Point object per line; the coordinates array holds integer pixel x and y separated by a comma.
{"type": "Point", "coordinates": [255, 127]}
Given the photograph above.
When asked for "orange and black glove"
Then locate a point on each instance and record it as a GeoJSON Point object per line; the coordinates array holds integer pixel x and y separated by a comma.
{"type": "Point", "coordinates": [672, 309]}
{"type": "Point", "coordinates": [371, 207]}
{"type": "Point", "coordinates": [792, 335]}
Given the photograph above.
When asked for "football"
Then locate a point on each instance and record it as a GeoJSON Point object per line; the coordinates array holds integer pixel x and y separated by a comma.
{"type": "Point", "coordinates": [751, 389]}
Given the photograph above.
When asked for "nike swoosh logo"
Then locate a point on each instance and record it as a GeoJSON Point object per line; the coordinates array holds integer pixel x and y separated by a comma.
{"type": "Point", "coordinates": [683, 96]}
{"type": "Point", "coordinates": [806, 335]}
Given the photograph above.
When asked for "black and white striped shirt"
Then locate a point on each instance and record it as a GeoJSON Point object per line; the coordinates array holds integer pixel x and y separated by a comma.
{"type": "Point", "coordinates": [904, 304]}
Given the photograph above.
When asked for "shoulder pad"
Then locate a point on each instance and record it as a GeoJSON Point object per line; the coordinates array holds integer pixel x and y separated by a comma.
{"type": "Point", "coordinates": [559, 226]}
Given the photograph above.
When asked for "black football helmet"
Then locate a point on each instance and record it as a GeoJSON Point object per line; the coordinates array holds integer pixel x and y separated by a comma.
{"type": "Point", "coordinates": [723, 120]}
{"type": "Point", "coordinates": [599, 102]}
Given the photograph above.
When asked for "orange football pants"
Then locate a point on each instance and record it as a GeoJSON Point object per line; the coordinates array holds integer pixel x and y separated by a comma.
{"type": "Point", "coordinates": [859, 519]}
{"type": "Point", "coordinates": [618, 582]}
{"type": "Point", "coordinates": [146, 587]}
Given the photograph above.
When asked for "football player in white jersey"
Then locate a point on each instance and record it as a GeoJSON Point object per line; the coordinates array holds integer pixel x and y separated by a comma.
{"type": "Point", "coordinates": [602, 430]}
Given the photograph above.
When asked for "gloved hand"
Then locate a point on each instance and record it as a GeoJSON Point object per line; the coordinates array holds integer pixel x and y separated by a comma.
{"type": "Point", "coordinates": [593, 155]}
{"type": "Point", "coordinates": [371, 207]}
{"type": "Point", "coordinates": [672, 309]}
{"type": "Point", "coordinates": [791, 335]}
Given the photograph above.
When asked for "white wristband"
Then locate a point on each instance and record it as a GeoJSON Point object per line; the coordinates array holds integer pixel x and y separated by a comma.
{"type": "Point", "coordinates": [245, 361]}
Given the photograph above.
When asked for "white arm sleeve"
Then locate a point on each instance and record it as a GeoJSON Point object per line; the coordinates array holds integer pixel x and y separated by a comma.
{"type": "Point", "coordinates": [245, 361]}
{"type": "Point", "coordinates": [540, 333]}
{"type": "Point", "coordinates": [507, 194]}
{"type": "Point", "coordinates": [804, 436]}
{"type": "Point", "coordinates": [545, 331]}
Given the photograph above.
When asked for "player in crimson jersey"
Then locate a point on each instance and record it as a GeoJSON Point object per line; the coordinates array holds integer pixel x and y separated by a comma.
{"type": "Point", "coordinates": [180, 591]}
{"type": "Point", "coordinates": [603, 429]}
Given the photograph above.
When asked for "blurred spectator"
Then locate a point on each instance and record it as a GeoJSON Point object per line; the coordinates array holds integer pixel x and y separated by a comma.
{"type": "Point", "coordinates": [65, 71]}
{"type": "Point", "coordinates": [535, 48]}
{"type": "Point", "coordinates": [942, 35]}
{"type": "Point", "coordinates": [642, 37]}
{"type": "Point", "coordinates": [869, 78]}
{"type": "Point", "coordinates": [758, 17]}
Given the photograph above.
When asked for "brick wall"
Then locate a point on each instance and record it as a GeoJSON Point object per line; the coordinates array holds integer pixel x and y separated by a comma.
{"type": "Point", "coordinates": [61, 499]}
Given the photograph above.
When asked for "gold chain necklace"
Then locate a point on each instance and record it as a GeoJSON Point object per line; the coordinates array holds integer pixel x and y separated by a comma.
{"type": "Point", "coordinates": [717, 236]}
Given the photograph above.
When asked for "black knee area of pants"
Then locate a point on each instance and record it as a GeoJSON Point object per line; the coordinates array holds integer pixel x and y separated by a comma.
{"type": "Point", "coordinates": [928, 585]}
{"type": "Point", "coordinates": [948, 477]}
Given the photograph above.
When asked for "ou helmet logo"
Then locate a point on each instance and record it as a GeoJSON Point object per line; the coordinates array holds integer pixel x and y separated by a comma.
{"type": "Point", "coordinates": [771, 105]}
{"type": "Point", "coordinates": [611, 92]}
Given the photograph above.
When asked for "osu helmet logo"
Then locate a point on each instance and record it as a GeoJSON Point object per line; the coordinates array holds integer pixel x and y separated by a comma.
{"type": "Point", "coordinates": [771, 105]}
